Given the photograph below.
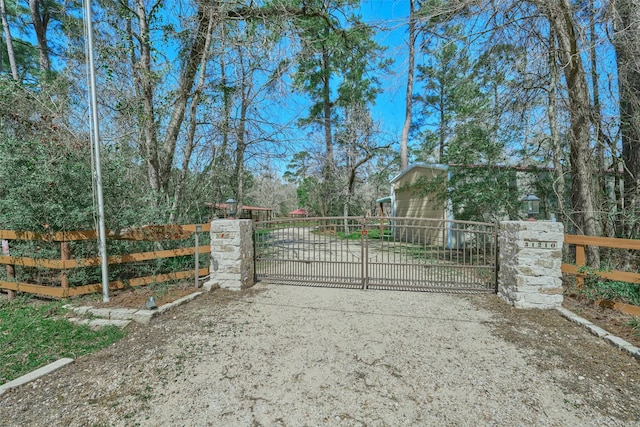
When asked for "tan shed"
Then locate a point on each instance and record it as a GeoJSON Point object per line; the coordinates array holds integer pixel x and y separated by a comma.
{"type": "Point", "coordinates": [409, 199]}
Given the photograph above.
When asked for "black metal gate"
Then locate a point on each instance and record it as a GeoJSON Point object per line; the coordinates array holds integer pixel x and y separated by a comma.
{"type": "Point", "coordinates": [378, 253]}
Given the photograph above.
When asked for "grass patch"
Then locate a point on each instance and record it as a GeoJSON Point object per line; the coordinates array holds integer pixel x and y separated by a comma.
{"type": "Point", "coordinates": [354, 235]}
{"type": "Point", "coordinates": [635, 324]}
{"type": "Point", "coordinates": [372, 233]}
{"type": "Point", "coordinates": [33, 334]}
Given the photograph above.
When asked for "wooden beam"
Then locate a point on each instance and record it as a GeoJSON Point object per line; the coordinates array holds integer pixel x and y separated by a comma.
{"type": "Point", "coordinates": [630, 309]}
{"type": "Point", "coordinates": [58, 292]}
{"type": "Point", "coordinates": [622, 276]}
{"type": "Point", "coordinates": [66, 236]}
{"type": "Point", "coordinates": [25, 235]}
{"type": "Point", "coordinates": [608, 242]}
{"type": "Point", "coordinates": [32, 262]}
{"type": "Point", "coordinates": [92, 262]}
{"type": "Point", "coordinates": [139, 281]}
{"type": "Point", "coordinates": [149, 232]}
{"type": "Point", "coordinates": [51, 291]}
{"type": "Point", "coordinates": [192, 227]}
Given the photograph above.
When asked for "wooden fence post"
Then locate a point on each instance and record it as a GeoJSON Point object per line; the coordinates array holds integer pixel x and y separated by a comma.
{"type": "Point", "coordinates": [64, 255]}
{"type": "Point", "coordinates": [11, 275]}
{"type": "Point", "coordinates": [11, 270]}
{"type": "Point", "coordinates": [581, 261]}
{"type": "Point", "coordinates": [197, 254]}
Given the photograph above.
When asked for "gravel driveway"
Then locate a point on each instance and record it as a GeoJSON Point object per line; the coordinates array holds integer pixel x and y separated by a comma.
{"type": "Point", "coordinates": [295, 356]}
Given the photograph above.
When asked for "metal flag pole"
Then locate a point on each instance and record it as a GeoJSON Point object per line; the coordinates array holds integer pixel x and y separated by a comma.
{"type": "Point", "coordinates": [95, 134]}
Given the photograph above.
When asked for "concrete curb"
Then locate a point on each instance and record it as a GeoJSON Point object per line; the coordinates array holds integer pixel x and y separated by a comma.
{"type": "Point", "coordinates": [32, 376]}
{"type": "Point", "coordinates": [599, 332]}
{"type": "Point", "coordinates": [121, 317]}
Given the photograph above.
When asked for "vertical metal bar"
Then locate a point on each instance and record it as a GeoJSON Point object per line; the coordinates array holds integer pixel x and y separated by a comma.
{"type": "Point", "coordinates": [366, 254]}
{"type": "Point", "coordinates": [102, 235]}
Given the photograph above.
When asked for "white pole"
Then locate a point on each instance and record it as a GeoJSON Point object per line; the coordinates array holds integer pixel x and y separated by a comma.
{"type": "Point", "coordinates": [102, 235]}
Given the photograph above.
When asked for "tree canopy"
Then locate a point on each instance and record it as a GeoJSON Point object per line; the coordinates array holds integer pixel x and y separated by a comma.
{"type": "Point", "coordinates": [202, 101]}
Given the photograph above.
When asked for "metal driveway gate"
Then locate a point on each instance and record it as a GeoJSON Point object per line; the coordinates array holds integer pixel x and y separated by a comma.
{"type": "Point", "coordinates": [378, 253]}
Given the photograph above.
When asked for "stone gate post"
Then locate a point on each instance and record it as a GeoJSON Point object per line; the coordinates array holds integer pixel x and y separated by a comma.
{"type": "Point", "coordinates": [231, 254]}
{"type": "Point", "coordinates": [530, 263]}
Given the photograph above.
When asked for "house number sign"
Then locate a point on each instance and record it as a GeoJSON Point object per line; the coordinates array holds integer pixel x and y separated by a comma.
{"type": "Point", "coordinates": [536, 244]}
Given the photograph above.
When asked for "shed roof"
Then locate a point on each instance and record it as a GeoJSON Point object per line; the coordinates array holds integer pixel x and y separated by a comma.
{"type": "Point", "coordinates": [299, 211]}
{"type": "Point", "coordinates": [419, 165]}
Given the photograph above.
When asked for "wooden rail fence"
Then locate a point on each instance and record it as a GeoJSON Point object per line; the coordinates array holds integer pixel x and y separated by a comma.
{"type": "Point", "coordinates": [580, 243]}
{"type": "Point", "coordinates": [147, 233]}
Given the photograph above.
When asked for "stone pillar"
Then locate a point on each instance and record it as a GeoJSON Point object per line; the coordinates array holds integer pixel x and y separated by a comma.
{"type": "Point", "coordinates": [530, 263]}
{"type": "Point", "coordinates": [231, 255]}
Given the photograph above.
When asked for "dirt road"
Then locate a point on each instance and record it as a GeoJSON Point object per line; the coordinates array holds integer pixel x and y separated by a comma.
{"type": "Point", "coordinates": [295, 356]}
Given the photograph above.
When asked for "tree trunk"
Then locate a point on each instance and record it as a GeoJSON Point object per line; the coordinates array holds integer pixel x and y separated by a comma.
{"type": "Point", "coordinates": [561, 20]}
{"type": "Point", "coordinates": [216, 184]}
{"type": "Point", "coordinates": [191, 135]}
{"type": "Point", "coordinates": [626, 41]}
{"type": "Point", "coordinates": [559, 184]}
{"type": "Point", "coordinates": [187, 81]}
{"type": "Point", "coordinates": [145, 83]}
{"type": "Point", "coordinates": [9, 41]}
{"type": "Point", "coordinates": [245, 88]}
{"type": "Point", "coordinates": [404, 141]}
{"type": "Point", "coordinates": [602, 198]}
{"type": "Point", "coordinates": [40, 23]}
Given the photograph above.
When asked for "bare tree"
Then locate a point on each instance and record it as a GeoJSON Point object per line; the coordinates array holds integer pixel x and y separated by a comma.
{"type": "Point", "coordinates": [626, 41]}
{"type": "Point", "coordinates": [552, 114]}
{"type": "Point", "coordinates": [357, 140]}
{"type": "Point", "coordinates": [190, 140]}
{"type": "Point", "coordinates": [160, 158]}
{"type": "Point", "coordinates": [562, 22]}
{"type": "Point", "coordinates": [404, 140]}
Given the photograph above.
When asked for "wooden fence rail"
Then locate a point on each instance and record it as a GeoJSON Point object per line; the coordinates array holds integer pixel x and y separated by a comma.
{"type": "Point", "coordinates": [154, 233]}
{"type": "Point", "coordinates": [580, 243]}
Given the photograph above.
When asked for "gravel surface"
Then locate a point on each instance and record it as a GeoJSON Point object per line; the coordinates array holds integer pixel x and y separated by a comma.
{"type": "Point", "coordinates": [295, 356]}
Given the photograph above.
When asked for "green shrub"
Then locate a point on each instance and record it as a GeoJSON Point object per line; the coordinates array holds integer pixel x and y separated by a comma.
{"type": "Point", "coordinates": [596, 288]}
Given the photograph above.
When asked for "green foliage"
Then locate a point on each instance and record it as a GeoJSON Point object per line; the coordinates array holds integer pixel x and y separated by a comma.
{"type": "Point", "coordinates": [51, 189]}
{"type": "Point", "coordinates": [305, 191]}
{"type": "Point", "coordinates": [50, 186]}
{"type": "Point", "coordinates": [450, 94]}
{"type": "Point", "coordinates": [372, 233]}
{"type": "Point", "coordinates": [338, 64]}
{"type": "Point", "coordinates": [483, 193]}
{"type": "Point", "coordinates": [353, 235]}
{"type": "Point", "coordinates": [26, 57]}
{"type": "Point", "coordinates": [596, 288]}
{"type": "Point", "coordinates": [635, 324]}
{"type": "Point", "coordinates": [33, 334]}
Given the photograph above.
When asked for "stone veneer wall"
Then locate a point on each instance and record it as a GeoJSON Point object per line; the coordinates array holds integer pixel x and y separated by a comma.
{"type": "Point", "coordinates": [231, 254]}
{"type": "Point", "coordinates": [530, 263]}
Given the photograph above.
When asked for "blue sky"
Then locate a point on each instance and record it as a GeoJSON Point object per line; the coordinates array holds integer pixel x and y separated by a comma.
{"type": "Point", "coordinates": [391, 15]}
